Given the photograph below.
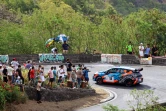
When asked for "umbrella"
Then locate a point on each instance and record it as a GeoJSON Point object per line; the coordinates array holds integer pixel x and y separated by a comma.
{"type": "Point", "coordinates": [61, 38]}
{"type": "Point", "coordinates": [49, 42]}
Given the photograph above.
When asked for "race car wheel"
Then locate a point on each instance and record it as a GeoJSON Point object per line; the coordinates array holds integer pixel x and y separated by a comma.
{"type": "Point", "coordinates": [99, 80]}
{"type": "Point", "coordinates": [128, 82]}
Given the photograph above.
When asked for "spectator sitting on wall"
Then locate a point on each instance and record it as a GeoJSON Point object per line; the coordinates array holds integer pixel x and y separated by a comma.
{"type": "Point", "coordinates": [65, 47]}
{"type": "Point", "coordinates": [154, 50]}
{"type": "Point", "coordinates": [129, 48]}
{"type": "Point", "coordinates": [54, 50]}
{"type": "Point", "coordinates": [147, 51]}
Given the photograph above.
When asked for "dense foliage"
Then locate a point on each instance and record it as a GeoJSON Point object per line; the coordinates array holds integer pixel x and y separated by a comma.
{"type": "Point", "coordinates": [92, 24]}
{"type": "Point", "coordinates": [10, 94]}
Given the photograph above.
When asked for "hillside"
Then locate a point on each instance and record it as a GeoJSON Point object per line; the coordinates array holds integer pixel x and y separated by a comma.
{"type": "Point", "coordinates": [127, 6]}
{"type": "Point", "coordinates": [91, 24]}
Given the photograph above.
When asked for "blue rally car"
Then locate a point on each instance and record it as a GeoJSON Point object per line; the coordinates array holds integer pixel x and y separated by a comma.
{"type": "Point", "coordinates": [122, 75]}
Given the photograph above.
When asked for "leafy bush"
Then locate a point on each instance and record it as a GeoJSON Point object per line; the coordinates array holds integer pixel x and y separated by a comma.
{"type": "Point", "coordinates": [144, 100]}
{"type": "Point", "coordinates": [10, 94]}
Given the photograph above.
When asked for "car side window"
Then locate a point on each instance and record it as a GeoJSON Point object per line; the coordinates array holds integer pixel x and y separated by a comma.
{"type": "Point", "coordinates": [113, 70]}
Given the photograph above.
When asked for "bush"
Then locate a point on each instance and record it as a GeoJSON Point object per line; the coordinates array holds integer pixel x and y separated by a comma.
{"type": "Point", "coordinates": [10, 94]}
{"type": "Point", "coordinates": [143, 100]}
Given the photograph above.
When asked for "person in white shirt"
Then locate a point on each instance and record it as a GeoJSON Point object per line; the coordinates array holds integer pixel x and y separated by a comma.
{"type": "Point", "coordinates": [141, 50]}
{"type": "Point", "coordinates": [54, 50]}
{"type": "Point", "coordinates": [15, 64]}
{"type": "Point", "coordinates": [62, 73]}
{"type": "Point", "coordinates": [10, 73]}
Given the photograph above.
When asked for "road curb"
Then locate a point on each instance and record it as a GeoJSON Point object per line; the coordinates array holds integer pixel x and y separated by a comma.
{"type": "Point", "coordinates": [111, 95]}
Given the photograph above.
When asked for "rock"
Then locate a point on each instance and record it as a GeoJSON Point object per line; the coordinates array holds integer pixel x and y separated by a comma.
{"type": "Point", "coordinates": [59, 94]}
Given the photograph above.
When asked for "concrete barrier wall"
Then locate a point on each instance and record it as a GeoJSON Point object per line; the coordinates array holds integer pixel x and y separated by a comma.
{"type": "Point", "coordinates": [111, 58]}
{"type": "Point", "coordinates": [85, 58]}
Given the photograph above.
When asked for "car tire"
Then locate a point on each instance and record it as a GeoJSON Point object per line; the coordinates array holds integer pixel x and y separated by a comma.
{"type": "Point", "coordinates": [128, 82]}
{"type": "Point", "coordinates": [99, 80]}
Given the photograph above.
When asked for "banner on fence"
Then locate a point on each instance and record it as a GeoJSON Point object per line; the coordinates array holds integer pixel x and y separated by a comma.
{"type": "Point", "coordinates": [4, 59]}
{"type": "Point", "coordinates": [111, 58]}
{"type": "Point", "coordinates": [51, 58]}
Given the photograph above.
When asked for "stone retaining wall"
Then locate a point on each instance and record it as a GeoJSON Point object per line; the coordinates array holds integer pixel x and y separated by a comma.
{"type": "Point", "coordinates": [60, 94]}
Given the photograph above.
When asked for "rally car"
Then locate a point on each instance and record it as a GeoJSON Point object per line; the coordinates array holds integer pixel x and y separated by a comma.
{"type": "Point", "coordinates": [121, 75]}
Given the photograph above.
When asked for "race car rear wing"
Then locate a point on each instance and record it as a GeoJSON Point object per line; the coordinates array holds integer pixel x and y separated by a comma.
{"type": "Point", "coordinates": [138, 70]}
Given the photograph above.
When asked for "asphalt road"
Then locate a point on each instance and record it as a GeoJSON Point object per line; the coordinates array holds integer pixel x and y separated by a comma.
{"type": "Point", "coordinates": [154, 79]}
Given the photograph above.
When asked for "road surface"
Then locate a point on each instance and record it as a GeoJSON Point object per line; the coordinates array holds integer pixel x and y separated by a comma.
{"type": "Point", "coordinates": [154, 79]}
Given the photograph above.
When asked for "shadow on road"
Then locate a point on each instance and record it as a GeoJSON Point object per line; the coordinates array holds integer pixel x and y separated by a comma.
{"type": "Point", "coordinates": [119, 86]}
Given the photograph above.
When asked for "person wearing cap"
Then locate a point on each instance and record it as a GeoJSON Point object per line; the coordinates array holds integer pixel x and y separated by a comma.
{"type": "Point", "coordinates": [141, 50]}
{"type": "Point", "coordinates": [15, 64]}
{"type": "Point", "coordinates": [38, 89]}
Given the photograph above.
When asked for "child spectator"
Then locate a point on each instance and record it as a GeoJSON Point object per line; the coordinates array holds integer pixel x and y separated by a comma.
{"type": "Point", "coordinates": [38, 89]}
{"type": "Point", "coordinates": [60, 82]}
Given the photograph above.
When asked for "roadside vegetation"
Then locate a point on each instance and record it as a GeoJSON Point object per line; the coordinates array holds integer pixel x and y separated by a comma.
{"type": "Point", "coordinates": [10, 94]}
{"type": "Point", "coordinates": [144, 100]}
{"type": "Point", "coordinates": [91, 24]}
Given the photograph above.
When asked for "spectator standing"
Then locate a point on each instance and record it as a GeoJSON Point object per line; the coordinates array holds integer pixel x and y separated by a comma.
{"type": "Point", "coordinates": [38, 89]}
{"type": "Point", "coordinates": [141, 50]}
{"type": "Point", "coordinates": [62, 73]}
{"type": "Point", "coordinates": [4, 73]}
{"type": "Point", "coordinates": [154, 50]}
{"type": "Point", "coordinates": [73, 76]}
{"type": "Point", "coordinates": [1, 74]}
{"type": "Point", "coordinates": [15, 64]}
{"type": "Point", "coordinates": [55, 73]}
{"type": "Point", "coordinates": [79, 76]}
{"type": "Point", "coordinates": [69, 69]}
{"type": "Point", "coordinates": [129, 48]}
{"type": "Point", "coordinates": [85, 74]}
{"type": "Point", "coordinates": [65, 47]}
{"type": "Point", "coordinates": [28, 65]}
{"type": "Point", "coordinates": [51, 77]}
{"type": "Point", "coordinates": [10, 73]}
{"type": "Point", "coordinates": [147, 51]}
{"type": "Point", "coordinates": [32, 76]}
{"type": "Point", "coordinates": [20, 73]}
{"type": "Point", "coordinates": [42, 78]}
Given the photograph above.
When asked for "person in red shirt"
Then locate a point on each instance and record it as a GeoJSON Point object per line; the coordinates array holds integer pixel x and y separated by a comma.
{"type": "Point", "coordinates": [32, 76]}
